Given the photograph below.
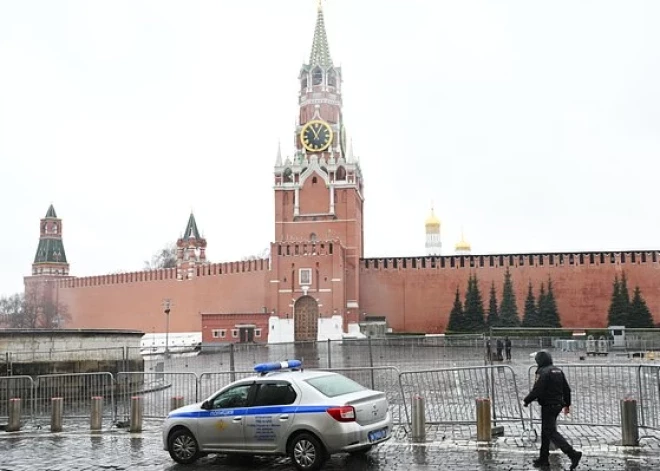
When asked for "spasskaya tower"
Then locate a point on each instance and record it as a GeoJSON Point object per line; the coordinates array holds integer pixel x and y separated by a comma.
{"type": "Point", "coordinates": [318, 202]}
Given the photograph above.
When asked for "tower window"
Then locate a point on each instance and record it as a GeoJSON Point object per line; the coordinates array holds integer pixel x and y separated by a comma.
{"type": "Point", "coordinates": [303, 83]}
{"type": "Point", "coordinates": [312, 237]}
{"type": "Point", "coordinates": [341, 174]}
{"type": "Point", "coordinates": [305, 276]}
{"type": "Point", "coordinates": [332, 79]}
{"type": "Point", "coordinates": [287, 176]}
{"type": "Point", "coordinates": [314, 180]}
{"type": "Point", "coordinates": [317, 76]}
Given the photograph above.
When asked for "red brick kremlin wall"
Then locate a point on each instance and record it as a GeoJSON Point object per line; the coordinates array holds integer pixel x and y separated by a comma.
{"type": "Point", "coordinates": [417, 294]}
{"type": "Point", "coordinates": [134, 300]}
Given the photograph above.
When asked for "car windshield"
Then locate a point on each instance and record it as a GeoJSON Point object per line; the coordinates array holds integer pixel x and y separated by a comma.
{"type": "Point", "coordinates": [335, 385]}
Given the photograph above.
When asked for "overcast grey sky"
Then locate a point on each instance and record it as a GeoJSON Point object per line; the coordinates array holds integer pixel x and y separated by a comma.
{"type": "Point", "coordinates": [535, 125]}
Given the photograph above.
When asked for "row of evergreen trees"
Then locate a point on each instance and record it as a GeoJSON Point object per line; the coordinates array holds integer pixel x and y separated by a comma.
{"type": "Point", "coordinates": [542, 312]}
{"type": "Point", "coordinates": [470, 315]}
{"type": "Point", "coordinates": [623, 311]}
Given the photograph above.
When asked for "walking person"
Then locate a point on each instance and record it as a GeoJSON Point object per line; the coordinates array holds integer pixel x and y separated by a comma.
{"type": "Point", "coordinates": [507, 348]}
{"type": "Point", "coordinates": [488, 353]}
{"type": "Point", "coordinates": [553, 394]}
{"type": "Point", "coordinates": [500, 347]}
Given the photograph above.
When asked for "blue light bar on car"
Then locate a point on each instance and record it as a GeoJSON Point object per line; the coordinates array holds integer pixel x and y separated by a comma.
{"type": "Point", "coordinates": [274, 366]}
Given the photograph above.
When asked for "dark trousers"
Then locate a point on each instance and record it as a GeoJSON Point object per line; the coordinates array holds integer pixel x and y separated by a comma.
{"type": "Point", "coordinates": [508, 353]}
{"type": "Point", "coordinates": [549, 433]}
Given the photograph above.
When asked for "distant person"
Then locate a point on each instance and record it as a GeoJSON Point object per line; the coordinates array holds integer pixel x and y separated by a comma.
{"type": "Point", "coordinates": [488, 352]}
{"type": "Point", "coordinates": [500, 347]}
{"type": "Point", "coordinates": [553, 394]}
{"type": "Point", "coordinates": [507, 348]}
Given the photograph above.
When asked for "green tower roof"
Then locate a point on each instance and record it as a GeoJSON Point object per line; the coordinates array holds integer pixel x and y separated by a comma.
{"type": "Point", "coordinates": [50, 251]}
{"type": "Point", "coordinates": [51, 212]}
{"type": "Point", "coordinates": [191, 229]}
{"type": "Point", "coordinates": [320, 54]}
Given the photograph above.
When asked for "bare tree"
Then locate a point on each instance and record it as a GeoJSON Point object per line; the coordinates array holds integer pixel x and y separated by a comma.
{"type": "Point", "coordinates": [265, 253]}
{"type": "Point", "coordinates": [164, 258]}
{"type": "Point", "coordinates": [34, 310]}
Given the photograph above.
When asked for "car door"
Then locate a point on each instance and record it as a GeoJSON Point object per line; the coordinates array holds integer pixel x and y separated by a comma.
{"type": "Point", "coordinates": [221, 425]}
{"type": "Point", "coordinates": [270, 415]}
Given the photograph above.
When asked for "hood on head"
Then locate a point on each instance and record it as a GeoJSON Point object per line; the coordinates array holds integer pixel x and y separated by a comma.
{"type": "Point", "coordinates": [543, 358]}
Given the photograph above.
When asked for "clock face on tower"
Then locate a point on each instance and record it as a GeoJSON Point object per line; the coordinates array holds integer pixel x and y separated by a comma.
{"type": "Point", "coordinates": [316, 136]}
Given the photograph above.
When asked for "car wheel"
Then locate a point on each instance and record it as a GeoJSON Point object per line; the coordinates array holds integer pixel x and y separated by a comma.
{"type": "Point", "coordinates": [183, 447]}
{"type": "Point", "coordinates": [306, 452]}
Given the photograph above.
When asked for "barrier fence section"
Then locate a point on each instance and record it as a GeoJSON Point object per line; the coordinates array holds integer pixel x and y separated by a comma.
{"type": "Point", "coordinates": [157, 390]}
{"type": "Point", "coordinates": [649, 387]}
{"type": "Point", "coordinates": [450, 393]}
{"type": "Point", "coordinates": [21, 387]}
{"type": "Point", "coordinates": [409, 352]}
{"type": "Point", "coordinates": [76, 391]}
{"type": "Point", "coordinates": [597, 390]}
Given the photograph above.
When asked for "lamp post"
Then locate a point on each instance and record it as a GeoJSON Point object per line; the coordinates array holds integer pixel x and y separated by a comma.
{"type": "Point", "coordinates": [167, 305]}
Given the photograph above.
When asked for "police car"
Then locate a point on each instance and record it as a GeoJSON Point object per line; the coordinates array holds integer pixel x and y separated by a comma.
{"type": "Point", "coordinates": [283, 410]}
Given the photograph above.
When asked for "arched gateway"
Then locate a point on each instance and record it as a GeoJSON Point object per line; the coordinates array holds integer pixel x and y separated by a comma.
{"type": "Point", "coordinates": [305, 319]}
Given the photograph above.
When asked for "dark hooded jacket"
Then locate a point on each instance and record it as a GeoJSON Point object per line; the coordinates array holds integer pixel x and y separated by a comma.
{"type": "Point", "coordinates": [550, 387]}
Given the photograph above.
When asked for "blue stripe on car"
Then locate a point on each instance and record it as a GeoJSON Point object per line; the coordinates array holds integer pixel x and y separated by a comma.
{"type": "Point", "coordinates": [264, 410]}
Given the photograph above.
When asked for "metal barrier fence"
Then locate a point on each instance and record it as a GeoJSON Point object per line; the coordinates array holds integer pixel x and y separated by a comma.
{"type": "Point", "coordinates": [450, 393]}
{"type": "Point", "coordinates": [21, 387]}
{"type": "Point", "coordinates": [649, 388]}
{"type": "Point", "coordinates": [157, 389]}
{"type": "Point", "coordinates": [596, 392]}
{"type": "Point", "coordinates": [76, 391]}
{"type": "Point", "coordinates": [410, 352]}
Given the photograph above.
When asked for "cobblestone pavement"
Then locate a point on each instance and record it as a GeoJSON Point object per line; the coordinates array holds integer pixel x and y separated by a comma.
{"type": "Point", "coordinates": [79, 450]}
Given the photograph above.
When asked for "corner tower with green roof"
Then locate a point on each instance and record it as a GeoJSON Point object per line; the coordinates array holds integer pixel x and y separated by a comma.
{"type": "Point", "coordinates": [50, 258]}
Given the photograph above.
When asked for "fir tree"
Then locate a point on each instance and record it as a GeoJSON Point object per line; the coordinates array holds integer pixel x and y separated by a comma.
{"type": "Point", "coordinates": [508, 309]}
{"type": "Point", "coordinates": [456, 323]}
{"type": "Point", "coordinates": [640, 316]}
{"type": "Point", "coordinates": [541, 307]}
{"type": "Point", "coordinates": [530, 318]}
{"type": "Point", "coordinates": [625, 295]}
{"type": "Point", "coordinates": [474, 307]}
{"type": "Point", "coordinates": [493, 316]}
{"type": "Point", "coordinates": [618, 311]}
{"type": "Point", "coordinates": [552, 314]}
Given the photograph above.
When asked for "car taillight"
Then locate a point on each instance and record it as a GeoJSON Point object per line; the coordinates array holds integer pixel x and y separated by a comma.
{"type": "Point", "coordinates": [342, 413]}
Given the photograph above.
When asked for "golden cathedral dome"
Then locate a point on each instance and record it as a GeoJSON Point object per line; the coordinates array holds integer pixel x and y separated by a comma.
{"type": "Point", "coordinates": [463, 244]}
{"type": "Point", "coordinates": [432, 220]}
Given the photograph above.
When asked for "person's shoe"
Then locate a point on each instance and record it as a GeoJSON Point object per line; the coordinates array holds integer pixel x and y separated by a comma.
{"type": "Point", "coordinates": [541, 463]}
{"type": "Point", "coordinates": [575, 459]}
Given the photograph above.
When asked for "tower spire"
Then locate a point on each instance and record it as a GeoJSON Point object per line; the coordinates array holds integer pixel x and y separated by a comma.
{"type": "Point", "coordinates": [320, 54]}
{"type": "Point", "coordinates": [278, 160]}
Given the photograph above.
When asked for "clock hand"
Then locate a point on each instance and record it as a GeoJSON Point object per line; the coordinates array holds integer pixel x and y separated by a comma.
{"type": "Point", "coordinates": [316, 131]}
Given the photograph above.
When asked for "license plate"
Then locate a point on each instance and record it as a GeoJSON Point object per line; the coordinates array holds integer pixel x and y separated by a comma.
{"type": "Point", "coordinates": [376, 435]}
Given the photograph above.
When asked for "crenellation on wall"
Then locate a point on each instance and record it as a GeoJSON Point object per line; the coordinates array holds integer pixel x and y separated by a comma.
{"type": "Point", "coordinates": [226, 268]}
{"type": "Point", "coordinates": [512, 260]}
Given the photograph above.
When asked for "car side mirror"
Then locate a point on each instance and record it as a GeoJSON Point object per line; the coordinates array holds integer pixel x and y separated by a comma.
{"type": "Point", "coordinates": [205, 405]}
